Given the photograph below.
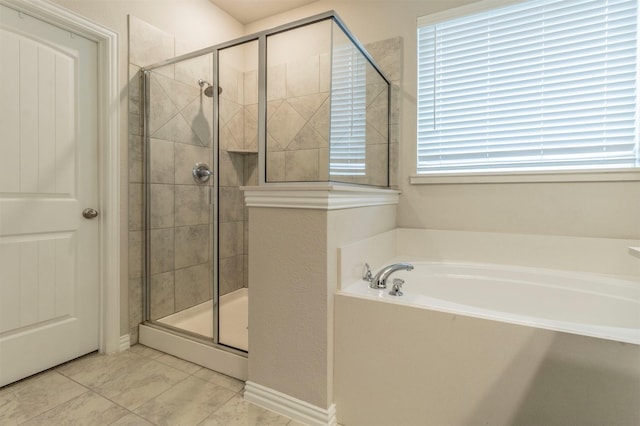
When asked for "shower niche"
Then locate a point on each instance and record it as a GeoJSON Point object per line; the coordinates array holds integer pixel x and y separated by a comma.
{"type": "Point", "coordinates": [303, 102]}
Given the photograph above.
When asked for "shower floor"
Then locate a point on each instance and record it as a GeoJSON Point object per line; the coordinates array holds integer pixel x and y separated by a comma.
{"type": "Point", "coordinates": [234, 319]}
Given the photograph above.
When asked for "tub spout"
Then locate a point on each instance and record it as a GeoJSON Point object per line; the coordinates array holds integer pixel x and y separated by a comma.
{"type": "Point", "coordinates": [380, 279]}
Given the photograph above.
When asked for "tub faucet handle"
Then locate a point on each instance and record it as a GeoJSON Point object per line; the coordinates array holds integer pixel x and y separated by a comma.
{"type": "Point", "coordinates": [397, 285]}
{"type": "Point", "coordinates": [368, 275]}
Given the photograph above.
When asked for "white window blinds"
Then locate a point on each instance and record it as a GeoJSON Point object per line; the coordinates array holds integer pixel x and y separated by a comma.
{"type": "Point", "coordinates": [541, 85]}
{"type": "Point", "coordinates": [348, 112]}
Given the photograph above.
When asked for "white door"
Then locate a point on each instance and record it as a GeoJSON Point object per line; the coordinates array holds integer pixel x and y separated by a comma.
{"type": "Point", "coordinates": [49, 288]}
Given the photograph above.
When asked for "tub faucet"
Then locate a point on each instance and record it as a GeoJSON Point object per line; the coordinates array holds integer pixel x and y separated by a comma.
{"type": "Point", "coordinates": [379, 280]}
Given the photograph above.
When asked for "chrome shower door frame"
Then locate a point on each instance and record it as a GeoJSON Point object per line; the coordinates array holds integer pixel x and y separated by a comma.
{"type": "Point", "coordinates": [261, 38]}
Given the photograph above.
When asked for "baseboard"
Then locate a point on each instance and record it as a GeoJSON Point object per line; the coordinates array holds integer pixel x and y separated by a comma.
{"type": "Point", "coordinates": [125, 342]}
{"type": "Point", "coordinates": [289, 406]}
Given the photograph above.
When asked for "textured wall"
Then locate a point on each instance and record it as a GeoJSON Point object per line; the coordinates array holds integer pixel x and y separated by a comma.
{"type": "Point", "coordinates": [288, 311]}
{"type": "Point", "coordinates": [293, 276]}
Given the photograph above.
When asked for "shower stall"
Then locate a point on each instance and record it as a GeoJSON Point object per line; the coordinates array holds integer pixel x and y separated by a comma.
{"type": "Point", "coordinates": [303, 102]}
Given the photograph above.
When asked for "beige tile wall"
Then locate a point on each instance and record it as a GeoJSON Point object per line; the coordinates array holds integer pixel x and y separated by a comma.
{"type": "Point", "coordinates": [298, 118]}
{"type": "Point", "coordinates": [147, 45]}
{"type": "Point", "coordinates": [387, 54]}
{"type": "Point", "coordinates": [181, 131]}
{"type": "Point", "coordinates": [238, 167]}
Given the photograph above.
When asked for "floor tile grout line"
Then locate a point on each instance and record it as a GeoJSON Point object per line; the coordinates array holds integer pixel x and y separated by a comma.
{"type": "Point", "coordinates": [95, 391]}
{"type": "Point", "coordinates": [129, 411]}
{"type": "Point", "coordinates": [134, 414]}
{"type": "Point", "coordinates": [199, 370]}
{"type": "Point", "coordinates": [87, 388]}
{"type": "Point", "coordinates": [53, 370]}
{"type": "Point", "coordinates": [157, 359]}
{"type": "Point", "coordinates": [159, 395]}
{"type": "Point", "coordinates": [180, 381]}
{"type": "Point", "coordinates": [217, 409]}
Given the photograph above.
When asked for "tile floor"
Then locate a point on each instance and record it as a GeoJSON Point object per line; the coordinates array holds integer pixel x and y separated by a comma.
{"type": "Point", "coordinates": [140, 386]}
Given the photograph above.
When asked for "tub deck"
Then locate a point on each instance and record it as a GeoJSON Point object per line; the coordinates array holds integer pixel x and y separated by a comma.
{"type": "Point", "coordinates": [580, 303]}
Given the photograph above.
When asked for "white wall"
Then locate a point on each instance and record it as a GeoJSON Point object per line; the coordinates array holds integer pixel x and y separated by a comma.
{"type": "Point", "coordinates": [299, 44]}
{"type": "Point", "coordinates": [600, 209]}
{"type": "Point", "coordinates": [196, 23]}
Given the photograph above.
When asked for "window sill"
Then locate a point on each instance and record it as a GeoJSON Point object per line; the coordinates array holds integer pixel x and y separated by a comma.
{"type": "Point", "coordinates": [605, 175]}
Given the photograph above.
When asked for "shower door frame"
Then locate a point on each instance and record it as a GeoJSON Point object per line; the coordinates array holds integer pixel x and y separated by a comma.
{"type": "Point", "coordinates": [261, 38]}
{"type": "Point", "coordinates": [145, 80]}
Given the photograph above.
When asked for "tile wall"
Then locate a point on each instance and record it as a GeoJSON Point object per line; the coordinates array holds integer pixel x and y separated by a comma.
{"type": "Point", "coordinates": [180, 125]}
{"type": "Point", "coordinates": [387, 54]}
{"type": "Point", "coordinates": [298, 118]}
{"type": "Point", "coordinates": [238, 160]}
{"type": "Point", "coordinates": [142, 51]}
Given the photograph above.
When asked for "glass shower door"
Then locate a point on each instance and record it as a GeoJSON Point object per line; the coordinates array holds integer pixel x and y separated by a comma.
{"type": "Point", "coordinates": [196, 224]}
{"type": "Point", "coordinates": [237, 166]}
{"type": "Point", "coordinates": [178, 192]}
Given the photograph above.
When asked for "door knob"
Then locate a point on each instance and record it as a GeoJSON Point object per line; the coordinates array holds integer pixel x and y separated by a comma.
{"type": "Point", "coordinates": [89, 213]}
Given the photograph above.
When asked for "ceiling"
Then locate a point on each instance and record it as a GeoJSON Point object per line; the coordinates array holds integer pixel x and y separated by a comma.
{"type": "Point", "coordinates": [247, 11]}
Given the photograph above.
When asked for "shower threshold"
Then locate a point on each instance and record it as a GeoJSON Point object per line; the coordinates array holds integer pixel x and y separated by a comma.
{"type": "Point", "coordinates": [233, 322]}
{"type": "Point", "coordinates": [233, 325]}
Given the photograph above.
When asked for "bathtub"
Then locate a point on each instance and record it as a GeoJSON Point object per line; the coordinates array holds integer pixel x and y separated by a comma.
{"type": "Point", "coordinates": [579, 303]}
{"type": "Point", "coordinates": [488, 344]}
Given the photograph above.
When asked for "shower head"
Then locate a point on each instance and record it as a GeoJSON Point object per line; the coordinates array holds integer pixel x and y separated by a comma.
{"type": "Point", "coordinates": [208, 91]}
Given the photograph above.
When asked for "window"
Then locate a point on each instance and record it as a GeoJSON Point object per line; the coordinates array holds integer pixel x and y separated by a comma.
{"type": "Point", "coordinates": [348, 112]}
{"type": "Point", "coordinates": [540, 85]}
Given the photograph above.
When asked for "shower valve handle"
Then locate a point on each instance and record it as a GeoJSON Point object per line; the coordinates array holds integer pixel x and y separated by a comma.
{"type": "Point", "coordinates": [201, 172]}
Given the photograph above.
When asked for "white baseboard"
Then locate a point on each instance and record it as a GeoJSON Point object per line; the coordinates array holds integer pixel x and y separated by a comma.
{"type": "Point", "coordinates": [288, 406]}
{"type": "Point", "coordinates": [125, 342]}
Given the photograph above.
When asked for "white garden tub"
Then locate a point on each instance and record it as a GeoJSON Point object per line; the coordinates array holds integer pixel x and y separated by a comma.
{"type": "Point", "coordinates": [488, 344]}
{"type": "Point", "coordinates": [579, 303]}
